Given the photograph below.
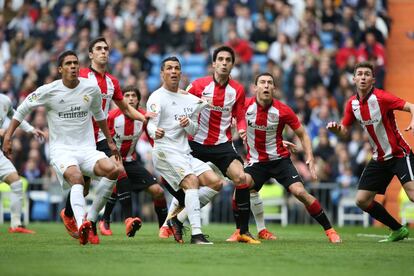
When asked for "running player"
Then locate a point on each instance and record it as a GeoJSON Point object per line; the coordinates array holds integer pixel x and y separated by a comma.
{"type": "Point", "coordinates": [110, 90]}
{"type": "Point", "coordinates": [267, 156]}
{"type": "Point", "coordinates": [213, 141]}
{"type": "Point", "coordinates": [70, 103]}
{"type": "Point", "coordinates": [126, 133]}
{"type": "Point", "coordinates": [374, 110]}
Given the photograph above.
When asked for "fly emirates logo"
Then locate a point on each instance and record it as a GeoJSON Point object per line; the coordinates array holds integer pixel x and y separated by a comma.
{"type": "Point", "coordinates": [74, 112]}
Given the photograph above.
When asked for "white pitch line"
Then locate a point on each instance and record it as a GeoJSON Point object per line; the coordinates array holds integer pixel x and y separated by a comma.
{"type": "Point", "coordinates": [374, 236]}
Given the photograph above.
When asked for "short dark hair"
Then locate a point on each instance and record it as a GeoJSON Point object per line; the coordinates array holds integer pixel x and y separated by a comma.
{"type": "Point", "coordinates": [96, 40]}
{"type": "Point", "coordinates": [65, 54]}
{"type": "Point", "coordinates": [224, 49]}
{"type": "Point", "coordinates": [131, 88]}
{"type": "Point", "coordinates": [171, 58]}
{"type": "Point", "coordinates": [264, 74]}
{"type": "Point", "coordinates": [365, 64]}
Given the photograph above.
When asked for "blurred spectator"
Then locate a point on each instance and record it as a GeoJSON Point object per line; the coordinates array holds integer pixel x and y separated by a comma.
{"type": "Point", "coordinates": [261, 36]}
{"type": "Point", "coordinates": [91, 20]}
{"type": "Point", "coordinates": [345, 52]}
{"type": "Point", "coordinates": [221, 24]}
{"type": "Point", "coordinates": [21, 22]}
{"type": "Point", "coordinates": [66, 23]}
{"type": "Point", "coordinates": [281, 52]}
{"type": "Point", "coordinates": [287, 23]}
{"type": "Point", "coordinates": [176, 36]}
{"type": "Point", "coordinates": [244, 22]}
{"type": "Point", "coordinates": [373, 51]}
{"type": "Point", "coordinates": [36, 56]}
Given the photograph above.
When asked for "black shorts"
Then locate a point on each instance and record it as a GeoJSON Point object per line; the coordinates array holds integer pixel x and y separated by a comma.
{"type": "Point", "coordinates": [220, 155]}
{"type": "Point", "coordinates": [282, 170]}
{"type": "Point", "coordinates": [139, 177]}
{"type": "Point", "coordinates": [377, 175]}
{"type": "Point", "coordinates": [103, 146]}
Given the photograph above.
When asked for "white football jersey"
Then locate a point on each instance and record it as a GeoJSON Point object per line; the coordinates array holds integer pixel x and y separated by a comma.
{"type": "Point", "coordinates": [169, 107]}
{"type": "Point", "coordinates": [7, 111]}
{"type": "Point", "coordinates": [69, 112]}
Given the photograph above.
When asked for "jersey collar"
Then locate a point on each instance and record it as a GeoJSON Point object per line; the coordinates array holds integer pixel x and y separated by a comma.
{"type": "Point", "coordinates": [96, 72]}
{"type": "Point", "coordinates": [218, 84]}
{"type": "Point", "coordinates": [367, 96]}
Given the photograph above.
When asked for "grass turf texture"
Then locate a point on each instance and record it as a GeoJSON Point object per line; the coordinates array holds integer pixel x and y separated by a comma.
{"type": "Point", "coordinates": [299, 250]}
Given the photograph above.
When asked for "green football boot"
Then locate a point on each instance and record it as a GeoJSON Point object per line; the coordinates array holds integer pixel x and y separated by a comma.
{"type": "Point", "coordinates": [397, 235]}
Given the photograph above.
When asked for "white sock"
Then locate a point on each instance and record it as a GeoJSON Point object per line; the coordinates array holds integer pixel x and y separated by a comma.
{"type": "Point", "coordinates": [16, 202]}
{"type": "Point", "coordinates": [78, 203]}
{"type": "Point", "coordinates": [103, 192]}
{"type": "Point", "coordinates": [205, 194]}
{"type": "Point", "coordinates": [192, 204]}
{"type": "Point", "coordinates": [256, 206]}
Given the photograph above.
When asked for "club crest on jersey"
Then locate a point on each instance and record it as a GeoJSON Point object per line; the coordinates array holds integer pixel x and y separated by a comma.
{"type": "Point", "coordinates": [33, 97]}
{"type": "Point", "coordinates": [272, 117]}
{"type": "Point", "coordinates": [86, 99]}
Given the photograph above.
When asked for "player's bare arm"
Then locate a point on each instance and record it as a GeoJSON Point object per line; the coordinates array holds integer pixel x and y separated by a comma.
{"type": "Point", "coordinates": [307, 147]}
{"type": "Point", "coordinates": [409, 107]}
{"type": "Point", "coordinates": [130, 111]}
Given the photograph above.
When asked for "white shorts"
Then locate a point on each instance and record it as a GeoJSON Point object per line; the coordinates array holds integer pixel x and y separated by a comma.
{"type": "Point", "coordinates": [6, 166]}
{"type": "Point", "coordinates": [173, 166]}
{"type": "Point", "coordinates": [85, 159]}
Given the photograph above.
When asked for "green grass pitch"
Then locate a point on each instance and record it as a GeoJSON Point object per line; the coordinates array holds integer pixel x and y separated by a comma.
{"type": "Point", "coordinates": [299, 250]}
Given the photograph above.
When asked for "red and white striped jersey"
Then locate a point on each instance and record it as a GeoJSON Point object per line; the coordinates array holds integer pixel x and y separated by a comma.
{"type": "Point", "coordinates": [110, 89]}
{"type": "Point", "coordinates": [226, 102]}
{"type": "Point", "coordinates": [375, 113]}
{"type": "Point", "coordinates": [264, 130]}
{"type": "Point", "coordinates": [125, 133]}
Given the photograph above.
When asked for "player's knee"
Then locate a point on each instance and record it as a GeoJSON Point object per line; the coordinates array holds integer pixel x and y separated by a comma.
{"type": "Point", "coordinates": [239, 179]}
{"type": "Point", "coordinates": [215, 183]}
{"type": "Point", "coordinates": [362, 203]}
{"type": "Point", "coordinates": [156, 191]}
{"type": "Point", "coordinates": [112, 172]}
{"type": "Point", "coordinates": [300, 193]}
{"type": "Point", "coordinates": [190, 182]}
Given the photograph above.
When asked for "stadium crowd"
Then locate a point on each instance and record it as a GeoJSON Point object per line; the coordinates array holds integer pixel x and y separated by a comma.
{"type": "Point", "coordinates": [310, 46]}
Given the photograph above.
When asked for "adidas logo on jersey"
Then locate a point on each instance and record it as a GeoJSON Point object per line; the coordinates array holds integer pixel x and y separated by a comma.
{"type": "Point", "coordinates": [173, 103]}
{"type": "Point", "coordinates": [61, 101]}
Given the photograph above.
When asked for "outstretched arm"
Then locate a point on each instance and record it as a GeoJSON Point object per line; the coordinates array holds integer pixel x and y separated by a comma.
{"type": "Point", "coordinates": [129, 110]}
